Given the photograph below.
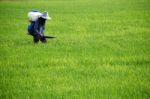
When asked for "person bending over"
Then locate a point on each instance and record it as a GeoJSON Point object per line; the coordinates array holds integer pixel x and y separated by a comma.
{"type": "Point", "coordinates": [37, 25]}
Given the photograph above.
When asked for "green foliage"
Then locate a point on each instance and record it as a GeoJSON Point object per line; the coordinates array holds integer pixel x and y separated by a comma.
{"type": "Point", "coordinates": [102, 50]}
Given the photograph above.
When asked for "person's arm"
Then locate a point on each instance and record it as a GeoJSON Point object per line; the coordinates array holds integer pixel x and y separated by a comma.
{"type": "Point", "coordinates": [42, 30]}
{"type": "Point", "coordinates": [36, 27]}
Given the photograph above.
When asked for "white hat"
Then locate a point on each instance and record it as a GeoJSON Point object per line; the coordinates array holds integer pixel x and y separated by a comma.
{"type": "Point", "coordinates": [45, 15]}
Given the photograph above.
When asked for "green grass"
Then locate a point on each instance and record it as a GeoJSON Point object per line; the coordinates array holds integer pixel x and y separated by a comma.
{"type": "Point", "coordinates": [102, 50]}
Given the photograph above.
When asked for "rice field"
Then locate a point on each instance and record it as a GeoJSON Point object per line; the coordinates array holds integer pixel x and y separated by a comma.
{"type": "Point", "coordinates": [101, 50]}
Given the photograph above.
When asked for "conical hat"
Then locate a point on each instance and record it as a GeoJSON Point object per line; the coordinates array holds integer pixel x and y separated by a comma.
{"type": "Point", "coordinates": [45, 15]}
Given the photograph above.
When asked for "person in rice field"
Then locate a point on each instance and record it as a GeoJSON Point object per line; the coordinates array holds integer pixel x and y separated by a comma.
{"type": "Point", "coordinates": [37, 25]}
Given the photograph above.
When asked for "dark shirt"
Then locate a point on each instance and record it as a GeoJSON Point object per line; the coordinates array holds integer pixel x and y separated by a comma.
{"type": "Point", "coordinates": [37, 27]}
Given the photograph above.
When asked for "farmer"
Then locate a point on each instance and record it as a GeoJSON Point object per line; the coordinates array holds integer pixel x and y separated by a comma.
{"type": "Point", "coordinates": [37, 26]}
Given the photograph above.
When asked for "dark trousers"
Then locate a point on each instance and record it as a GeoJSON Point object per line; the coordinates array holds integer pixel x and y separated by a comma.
{"type": "Point", "coordinates": [38, 37]}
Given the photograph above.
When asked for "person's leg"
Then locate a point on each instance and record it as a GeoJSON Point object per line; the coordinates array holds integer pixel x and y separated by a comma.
{"type": "Point", "coordinates": [36, 38]}
{"type": "Point", "coordinates": [43, 39]}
